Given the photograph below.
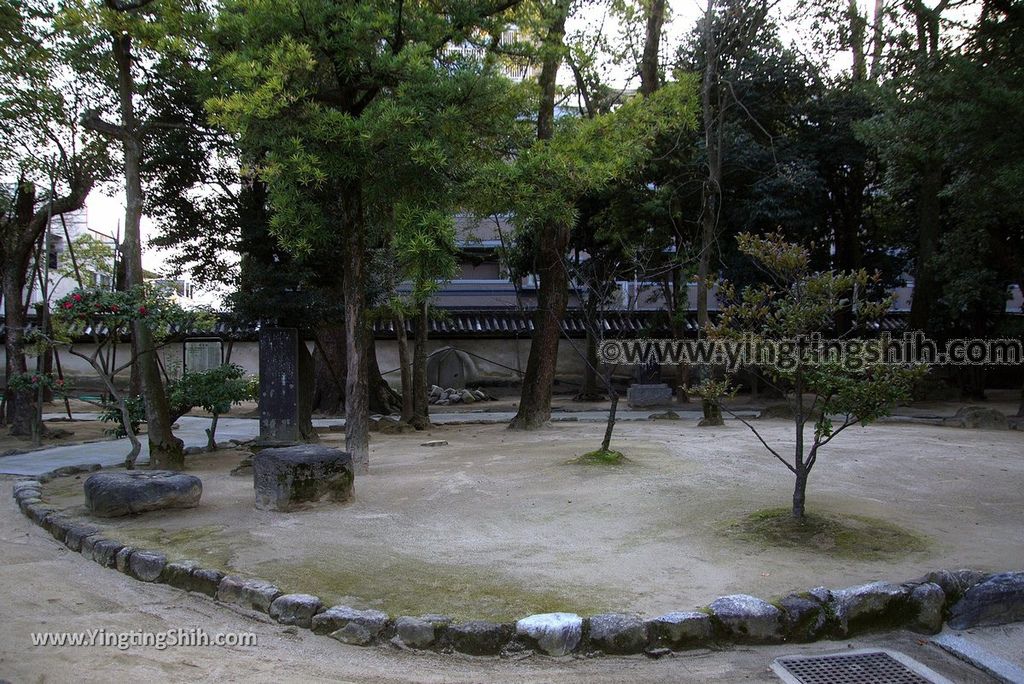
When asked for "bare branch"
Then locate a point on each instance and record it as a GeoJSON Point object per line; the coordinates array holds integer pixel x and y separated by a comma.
{"type": "Point", "coordinates": [758, 435]}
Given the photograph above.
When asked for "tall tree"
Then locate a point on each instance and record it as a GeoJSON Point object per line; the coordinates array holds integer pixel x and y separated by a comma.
{"type": "Point", "coordinates": [725, 33]}
{"type": "Point", "coordinates": [553, 239]}
{"type": "Point", "coordinates": [126, 48]}
{"type": "Point", "coordinates": [328, 95]}
{"type": "Point", "coordinates": [52, 164]}
{"type": "Point", "coordinates": [542, 190]}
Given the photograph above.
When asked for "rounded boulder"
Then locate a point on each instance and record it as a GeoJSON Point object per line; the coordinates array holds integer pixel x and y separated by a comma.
{"type": "Point", "coordinates": [112, 495]}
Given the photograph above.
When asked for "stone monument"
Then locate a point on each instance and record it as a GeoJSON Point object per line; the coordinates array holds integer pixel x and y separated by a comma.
{"type": "Point", "coordinates": [286, 388]}
{"type": "Point", "coordinates": [647, 389]}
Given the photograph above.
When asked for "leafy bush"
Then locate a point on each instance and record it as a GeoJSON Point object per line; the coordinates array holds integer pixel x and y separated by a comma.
{"type": "Point", "coordinates": [111, 413]}
{"type": "Point", "coordinates": [33, 381]}
{"type": "Point", "coordinates": [215, 390]}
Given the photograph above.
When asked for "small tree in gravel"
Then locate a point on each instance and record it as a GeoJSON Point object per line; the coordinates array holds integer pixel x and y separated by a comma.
{"type": "Point", "coordinates": [104, 318]}
{"type": "Point", "coordinates": [831, 390]}
{"type": "Point", "coordinates": [215, 390]}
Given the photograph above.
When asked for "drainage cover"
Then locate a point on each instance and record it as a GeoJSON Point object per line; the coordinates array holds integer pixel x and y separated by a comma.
{"type": "Point", "coordinates": [855, 667]}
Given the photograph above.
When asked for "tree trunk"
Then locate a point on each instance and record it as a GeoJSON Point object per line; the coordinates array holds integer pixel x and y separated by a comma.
{"type": "Point", "coordinates": [877, 40]}
{"type": "Point", "coordinates": [552, 299]}
{"type": "Point", "coordinates": [606, 443]}
{"type": "Point", "coordinates": [420, 398]}
{"type": "Point", "coordinates": [18, 242]}
{"type": "Point", "coordinates": [649, 75]}
{"type": "Point", "coordinates": [553, 294]}
{"type": "Point", "coordinates": [165, 450]}
{"type": "Point", "coordinates": [799, 494]}
{"type": "Point", "coordinates": [21, 404]}
{"type": "Point", "coordinates": [382, 398]}
{"type": "Point", "coordinates": [799, 490]}
{"type": "Point", "coordinates": [357, 405]}
{"type": "Point", "coordinates": [858, 29]}
{"type": "Point", "coordinates": [329, 369]}
{"type": "Point", "coordinates": [711, 115]}
{"type": "Point", "coordinates": [211, 434]}
{"type": "Point", "coordinates": [405, 368]}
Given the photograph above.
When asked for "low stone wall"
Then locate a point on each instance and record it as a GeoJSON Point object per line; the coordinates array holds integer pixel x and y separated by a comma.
{"type": "Point", "coordinates": [966, 598]}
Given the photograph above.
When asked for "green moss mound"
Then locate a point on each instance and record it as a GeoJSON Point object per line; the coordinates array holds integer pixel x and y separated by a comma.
{"type": "Point", "coordinates": [845, 536]}
{"type": "Point", "coordinates": [600, 457]}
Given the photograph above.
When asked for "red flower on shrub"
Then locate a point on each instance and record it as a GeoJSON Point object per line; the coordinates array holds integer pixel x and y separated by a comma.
{"type": "Point", "coordinates": [77, 297]}
{"type": "Point", "coordinates": [114, 308]}
{"type": "Point", "coordinates": [142, 310]}
{"type": "Point", "coordinates": [68, 305]}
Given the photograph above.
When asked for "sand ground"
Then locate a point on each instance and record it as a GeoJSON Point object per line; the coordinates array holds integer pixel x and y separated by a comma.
{"type": "Point", "coordinates": [45, 587]}
{"type": "Point", "coordinates": [501, 524]}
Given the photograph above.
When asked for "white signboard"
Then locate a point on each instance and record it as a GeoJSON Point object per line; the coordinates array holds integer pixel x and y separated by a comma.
{"type": "Point", "coordinates": [203, 354]}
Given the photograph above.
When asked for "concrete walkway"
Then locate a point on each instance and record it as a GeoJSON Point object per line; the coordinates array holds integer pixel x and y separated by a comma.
{"type": "Point", "coordinates": [192, 431]}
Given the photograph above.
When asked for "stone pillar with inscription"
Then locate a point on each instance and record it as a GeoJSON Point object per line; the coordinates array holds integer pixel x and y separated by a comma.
{"type": "Point", "coordinates": [286, 388]}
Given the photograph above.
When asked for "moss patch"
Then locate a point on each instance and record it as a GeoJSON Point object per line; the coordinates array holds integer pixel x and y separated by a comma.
{"type": "Point", "coordinates": [600, 457]}
{"type": "Point", "coordinates": [407, 586]}
{"type": "Point", "coordinates": [208, 545]}
{"type": "Point", "coordinates": [847, 536]}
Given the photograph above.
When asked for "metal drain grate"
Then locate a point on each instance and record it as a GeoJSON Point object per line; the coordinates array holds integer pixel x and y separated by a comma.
{"type": "Point", "coordinates": [855, 667]}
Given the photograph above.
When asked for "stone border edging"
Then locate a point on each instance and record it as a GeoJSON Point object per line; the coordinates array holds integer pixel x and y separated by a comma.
{"type": "Point", "coordinates": [966, 597]}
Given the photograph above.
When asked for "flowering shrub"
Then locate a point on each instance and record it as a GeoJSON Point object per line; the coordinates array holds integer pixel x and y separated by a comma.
{"type": "Point", "coordinates": [116, 311]}
{"type": "Point", "coordinates": [34, 381]}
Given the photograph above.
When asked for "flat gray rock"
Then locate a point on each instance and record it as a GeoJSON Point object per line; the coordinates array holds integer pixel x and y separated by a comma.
{"type": "Point", "coordinates": [867, 606]}
{"type": "Point", "coordinates": [555, 634]}
{"type": "Point", "coordinates": [367, 625]}
{"type": "Point", "coordinates": [680, 628]}
{"type": "Point", "coordinates": [146, 565]}
{"type": "Point", "coordinates": [111, 495]}
{"type": "Point", "coordinates": [803, 616]}
{"type": "Point", "coordinates": [179, 573]}
{"type": "Point", "coordinates": [296, 609]}
{"type": "Point", "coordinates": [415, 632]}
{"type": "Point", "coordinates": [479, 637]}
{"type": "Point", "coordinates": [255, 594]}
{"type": "Point", "coordinates": [955, 583]}
{"type": "Point", "coordinates": [618, 633]}
{"type": "Point", "coordinates": [205, 581]}
{"type": "Point", "coordinates": [926, 603]}
{"type": "Point", "coordinates": [105, 552]}
{"type": "Point", "coordinates": [996, 601]}
{"type": "Point", "coordinates": [57, 524]}
{"type": "Point", "coordinates": [121, 561]}
{"type": "Point", "coordinates": [285, 478]}
{"type": "Point", "coordinates": [748, 618]}
{"type": "Point", "coordinates": [978, 417]}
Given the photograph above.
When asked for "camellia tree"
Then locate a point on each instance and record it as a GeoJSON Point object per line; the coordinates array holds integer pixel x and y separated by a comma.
{"type": "Point", "coordinates": [830, 391]}
{"type": "Point", "coordinates": [104, 317]}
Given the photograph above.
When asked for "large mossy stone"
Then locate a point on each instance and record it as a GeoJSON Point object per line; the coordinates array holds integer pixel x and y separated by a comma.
{"type": "Point", "coordinates": [996, 601]}
{"type": "Point", "coordinates": [111, 495]}
{"type": "Point", "coordinates": [287, 477]}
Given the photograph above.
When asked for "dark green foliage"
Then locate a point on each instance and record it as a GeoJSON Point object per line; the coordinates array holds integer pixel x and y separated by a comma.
{"type": "Point", "coordinates": [215, 390]}
{"type": "Point", "coordinates": [111, 413]}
